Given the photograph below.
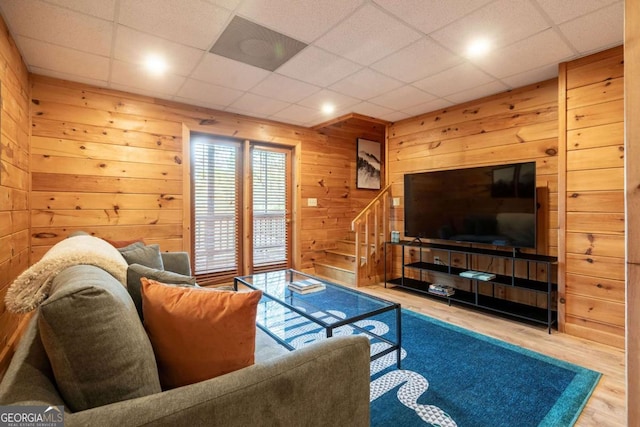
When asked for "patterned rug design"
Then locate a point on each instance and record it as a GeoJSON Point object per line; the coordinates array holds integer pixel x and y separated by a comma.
{"type": "Point", "coordinates": [451, 376]}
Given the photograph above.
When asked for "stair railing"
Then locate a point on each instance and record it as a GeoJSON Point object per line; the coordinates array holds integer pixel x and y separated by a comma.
{"type": "Point", "coordinates": [371, 229]}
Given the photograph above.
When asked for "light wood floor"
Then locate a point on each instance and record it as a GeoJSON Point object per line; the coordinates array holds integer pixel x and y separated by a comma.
{"type": "Point", "coordinates": [606, 407]}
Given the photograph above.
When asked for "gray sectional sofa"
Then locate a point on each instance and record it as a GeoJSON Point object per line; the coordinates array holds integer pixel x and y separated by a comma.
{"type": "Point", "coordinates": [326, 383]}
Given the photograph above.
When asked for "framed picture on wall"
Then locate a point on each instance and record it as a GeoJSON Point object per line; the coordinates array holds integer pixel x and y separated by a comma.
{"type": "Point", "coordinates": [368, 164]}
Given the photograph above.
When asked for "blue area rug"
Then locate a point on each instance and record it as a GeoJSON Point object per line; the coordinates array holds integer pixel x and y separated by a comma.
{"type": "Point", "coordinates": [480, 381]}
{"type": "Point", "coordinates": [451, 376]}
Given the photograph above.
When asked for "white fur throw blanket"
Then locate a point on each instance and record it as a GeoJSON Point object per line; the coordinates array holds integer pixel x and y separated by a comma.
{"type": "Point", "coordinates": [33, 285]}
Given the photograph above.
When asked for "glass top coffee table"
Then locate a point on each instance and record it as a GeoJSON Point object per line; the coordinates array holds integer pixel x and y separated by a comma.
{"type": "Point", "coordinates": [295, 319]}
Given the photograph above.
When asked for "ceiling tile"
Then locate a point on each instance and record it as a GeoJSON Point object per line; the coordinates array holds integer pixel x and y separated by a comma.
{"type": "Point", "coordinates": [63, 60]}
{"type": "Point", "coordinates": [367, 36]}
{"type": "Point", "coordinates": [365, 84]}
{"type": "Point", "coordinates": [318, 67]}
{"type": "Point", "coordinates": [416, 61]}
{"type": "Point", "coordinates": [399, 99]}
{"type": "Point", "coordinates": [104, 9]}
{"type": "Point", "coordinates": [298, 114]}
{"type": "Point", "coordinates": [199, 103]}
{"type": "Point", "coordinates": [532, 76]}
{"type": "Point", "coordinates": [305, 20]}
{"type": "Point", "coordinates": [133, 46]}
{"type": "Point", "coordinates": [369, 109]}
{"type": "Point", "coordinates": [140, 91]}
{"type": "Point", "coordinates": [55, 25]}
{"type": "Point", "coordinates": [562, 11]}
{"type": "Point", "coordinates": [229, 73]}
{"type": "Point", "coordinates": [211, 94]}
{"type": "Point", "coordinates": [502, 22]}
{"type": "Point", "coordinates": [477, 92]}
{"type": "Point", "coordinates": [246, 113]}
{"type": "Point", "coordinates": [196, 25]}
{"type": "Point", "coordinates": [461, 77]}
{"type": "Point", "coordinates": [134, 76]}
{"type": "Point", "coordinates": [227, 4]}
{"type": "Point", "coordinates": [284, 88]}
{"type": "Point", "coordinates": [429, 15]}
{"type": "Point", "coordinates": [580, 32]}
{"type": "Point", "coordinates": [68, 76]}
{"type": "Point", "coordinates": [542, 49]}
{"type": "Point", "coordinates": [327, 96]}
{"type": "Point", "coordinates": [427, 107]}
{"type": "Point", "coordinates": [395, 116]}
{"type": "Point", "coordinates": [257, 104]}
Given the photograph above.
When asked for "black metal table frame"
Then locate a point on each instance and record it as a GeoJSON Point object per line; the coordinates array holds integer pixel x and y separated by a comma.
{"type": "Point", "coordinates": [393, 346]}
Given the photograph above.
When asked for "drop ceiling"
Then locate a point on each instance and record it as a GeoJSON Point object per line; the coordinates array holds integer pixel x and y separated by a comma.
{"type": "Point", "coordinates": [389, 59]}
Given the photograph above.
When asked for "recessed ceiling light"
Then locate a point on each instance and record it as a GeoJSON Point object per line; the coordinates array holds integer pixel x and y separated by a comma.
{"type": "Point", "coordinates": [328, 108]}
{"type": "Point", "coordinates": [478, 47]}
{"type": "Point", "coordinates": [155, 64]}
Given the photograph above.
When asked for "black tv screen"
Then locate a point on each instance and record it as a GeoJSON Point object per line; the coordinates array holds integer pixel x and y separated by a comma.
{"type": "Point", "coordinates": [494, 205]}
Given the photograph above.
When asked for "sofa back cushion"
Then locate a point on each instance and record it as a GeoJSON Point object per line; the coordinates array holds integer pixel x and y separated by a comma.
{"type": "Point", "coordinates": [95, 342]}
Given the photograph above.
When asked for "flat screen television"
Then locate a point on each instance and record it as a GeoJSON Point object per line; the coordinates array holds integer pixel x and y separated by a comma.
{"type": "Point", "coordinates": [493, 205]}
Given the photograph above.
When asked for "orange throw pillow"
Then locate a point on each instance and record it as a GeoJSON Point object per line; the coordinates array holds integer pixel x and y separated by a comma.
{"type": "Point", "coordinates": [198, 333]}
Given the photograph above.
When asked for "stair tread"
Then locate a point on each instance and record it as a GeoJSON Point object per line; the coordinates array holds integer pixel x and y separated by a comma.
{"type": "Point", "coordinates": [332, 280]}
{"type": "Point", "coordinates": [323, 264]}
{"type": "Point", "coordinates": [353, 242]}
{"type": "Point", "coordinates": [342, 253]}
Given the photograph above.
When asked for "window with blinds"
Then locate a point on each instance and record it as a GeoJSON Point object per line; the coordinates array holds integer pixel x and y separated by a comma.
{"type": "Point", "coordinates": [270, 209]}
{"type": "Point", "coordinates": [222, 247]}
{"type": "Point", "coordinates": [216, 202]}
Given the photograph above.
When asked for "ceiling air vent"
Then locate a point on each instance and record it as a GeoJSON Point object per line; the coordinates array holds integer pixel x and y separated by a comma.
{"type": "Point", "coordinates": [255, 45]}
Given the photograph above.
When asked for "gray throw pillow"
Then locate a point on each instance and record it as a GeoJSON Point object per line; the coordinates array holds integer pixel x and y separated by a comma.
{"type": "Point", "coordinates": [136, 271]}
{"type": "Point", "coordinates": [148, 256]}
{"type": "Point", "coordinates": [98, 349]}
{"type": "Point", "coordinates": [131, 246]}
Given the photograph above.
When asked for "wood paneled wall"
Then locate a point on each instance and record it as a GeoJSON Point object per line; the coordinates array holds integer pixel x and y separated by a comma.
{"type": "Point", "coordinates": [104, 162]}
{"type": "Point", "coordinates": [516, 126]}
{"type": "Point", "coordinates": [632, 169]}
{"type": "Point", "coordinates": [329, 175]}
{"type": "Point", "coordinates": [14, 184]}
{"type": "Point", "coordinates": [593, 211]}
{"type": "Point", "coordinates": [113, 164]}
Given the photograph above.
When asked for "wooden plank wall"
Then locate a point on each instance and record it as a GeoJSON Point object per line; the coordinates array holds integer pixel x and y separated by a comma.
{"type": "Point", "coordinates": [105, 163]}
{"type": "Point", "coordinates": [594, 220]}
{"type": "Point", "coordinates": [632, 168]}
{"type": "Point", "coordinates": [14, 184]}
{"type": "Point", "coordinates": [329, 175]}
{"type": "Point", "coordinates": [516, 126]}
{"type": "Point", "coordinates": [111, 163]}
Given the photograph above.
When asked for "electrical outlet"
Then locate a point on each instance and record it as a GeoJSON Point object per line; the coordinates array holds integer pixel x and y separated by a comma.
{"type": "Point", "coordinates": [436, 260]}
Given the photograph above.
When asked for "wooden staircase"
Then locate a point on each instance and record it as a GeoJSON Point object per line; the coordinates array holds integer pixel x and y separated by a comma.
{"type": "Point", "coordinates": [340, 263]}
{"type": "Point", "coordinates": [365, 241]}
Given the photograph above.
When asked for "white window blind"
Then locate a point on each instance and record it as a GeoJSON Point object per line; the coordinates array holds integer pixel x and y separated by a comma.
{"type": "Point", "coordinates": [216, 201]}
{"type": "Point", "coordinates": [270, 208]}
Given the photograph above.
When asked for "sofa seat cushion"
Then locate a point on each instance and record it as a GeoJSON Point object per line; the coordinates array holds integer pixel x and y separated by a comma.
{"type": "Point", "coordinates": [199, 333]}
{"type": "Point", "coordinates": [98, 349]}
